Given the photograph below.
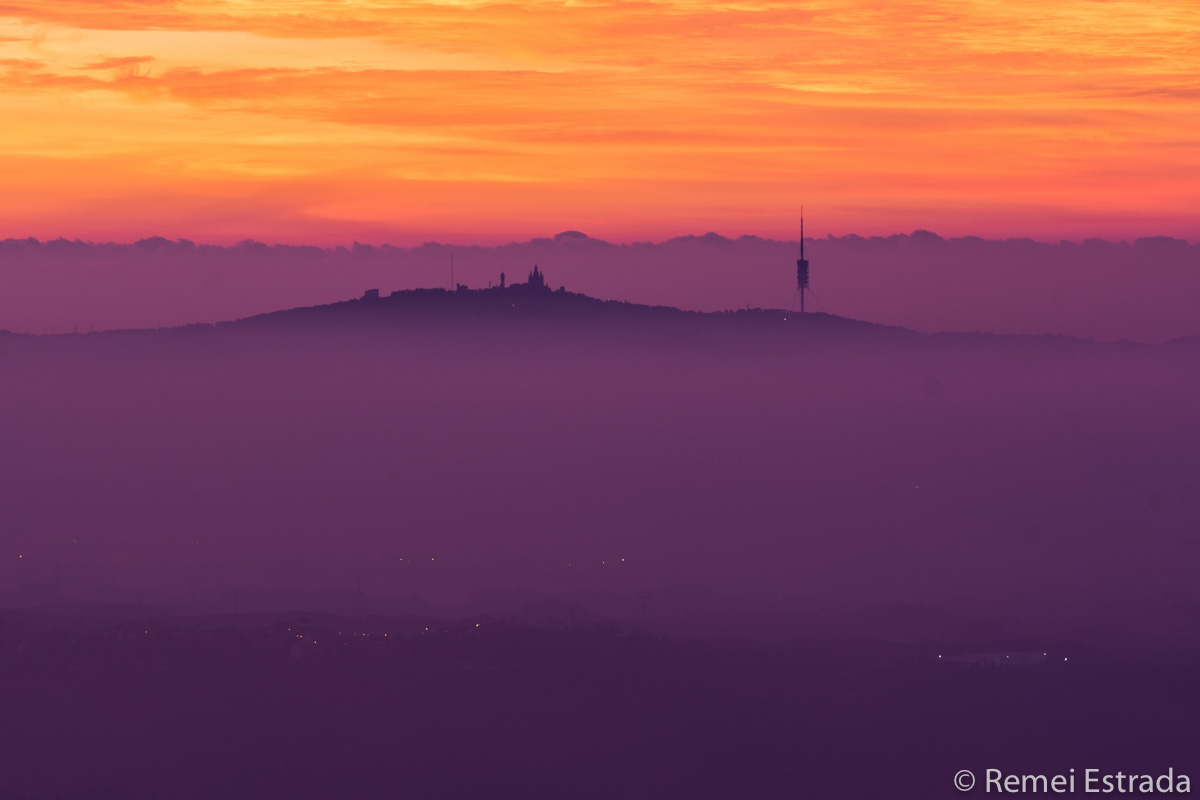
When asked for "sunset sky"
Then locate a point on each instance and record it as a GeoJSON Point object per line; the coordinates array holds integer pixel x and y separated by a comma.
{"type": "Point", "coordinates": [325, 122]}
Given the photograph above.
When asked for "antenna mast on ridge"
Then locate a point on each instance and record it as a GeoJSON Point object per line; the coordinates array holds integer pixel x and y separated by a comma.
{"type": "Point", "coordinates": [801, 265]}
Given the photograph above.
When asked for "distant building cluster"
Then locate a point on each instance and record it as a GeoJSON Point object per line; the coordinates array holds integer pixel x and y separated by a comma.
{"type": "Point", "coordinates": [536, 281]}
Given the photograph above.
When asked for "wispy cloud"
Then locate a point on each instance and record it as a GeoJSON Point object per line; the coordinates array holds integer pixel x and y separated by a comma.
{"type": "Point", "coordinates": [120, 63]}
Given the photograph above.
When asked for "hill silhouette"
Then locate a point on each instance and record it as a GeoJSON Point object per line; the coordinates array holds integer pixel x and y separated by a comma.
{"type": "Point", "coordinates": [1140, 290]}
{"type": "Point", "coordinates": [522, 303]}
{"type": "Point", "coordinates": [558, 312]}
{"type": "Point", "coordinates": [538, 317]}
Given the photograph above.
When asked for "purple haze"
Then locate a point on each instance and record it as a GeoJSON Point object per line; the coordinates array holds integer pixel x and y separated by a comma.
{"type": "Point", "coordinates": [440, 454]}
{"type": "Point", "coordinates": [522, 543]}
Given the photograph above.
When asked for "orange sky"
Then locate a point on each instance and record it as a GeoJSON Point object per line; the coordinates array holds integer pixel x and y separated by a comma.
{"type": "Point", "coordinates": [327, 121]}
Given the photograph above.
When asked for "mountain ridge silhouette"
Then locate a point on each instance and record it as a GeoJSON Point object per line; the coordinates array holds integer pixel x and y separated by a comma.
{"type": "Point", "coordinates": [519, 305]}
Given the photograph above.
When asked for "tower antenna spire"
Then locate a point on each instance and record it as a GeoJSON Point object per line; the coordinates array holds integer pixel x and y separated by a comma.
{"type": "Point", "coordinates": [801, 265]}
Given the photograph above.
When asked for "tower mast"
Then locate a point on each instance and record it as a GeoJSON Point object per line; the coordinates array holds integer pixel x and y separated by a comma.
{"type": "Point", "coordinates": [801, 265]}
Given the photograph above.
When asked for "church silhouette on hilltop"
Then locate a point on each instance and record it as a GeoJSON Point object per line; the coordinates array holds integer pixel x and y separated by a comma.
{"type": "Point", "coordinates": [537, 280]}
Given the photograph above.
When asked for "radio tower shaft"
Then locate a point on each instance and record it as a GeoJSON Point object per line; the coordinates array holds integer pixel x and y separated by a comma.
{"type": "Point", "coordinates": [801, 265]}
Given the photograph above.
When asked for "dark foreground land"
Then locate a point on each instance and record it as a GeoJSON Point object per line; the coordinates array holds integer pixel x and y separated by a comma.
{"type": "Point", "coordinates": [134, 704]}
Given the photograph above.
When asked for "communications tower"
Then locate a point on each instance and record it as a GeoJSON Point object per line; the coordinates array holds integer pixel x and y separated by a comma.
{"type": "Point", "coordinates": [801, 265]}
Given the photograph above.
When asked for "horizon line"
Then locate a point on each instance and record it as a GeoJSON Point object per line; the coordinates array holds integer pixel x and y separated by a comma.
{"type": "Point", "coordinates": [576, 235]}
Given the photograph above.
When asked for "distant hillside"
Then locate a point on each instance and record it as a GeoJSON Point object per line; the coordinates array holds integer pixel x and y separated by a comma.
{"type": "Point", "coordinates": [540, 316]}
{"type": "Point", "coordinates": [539, 309]}
{"type": "Point", "coordinates": [525, 303]}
